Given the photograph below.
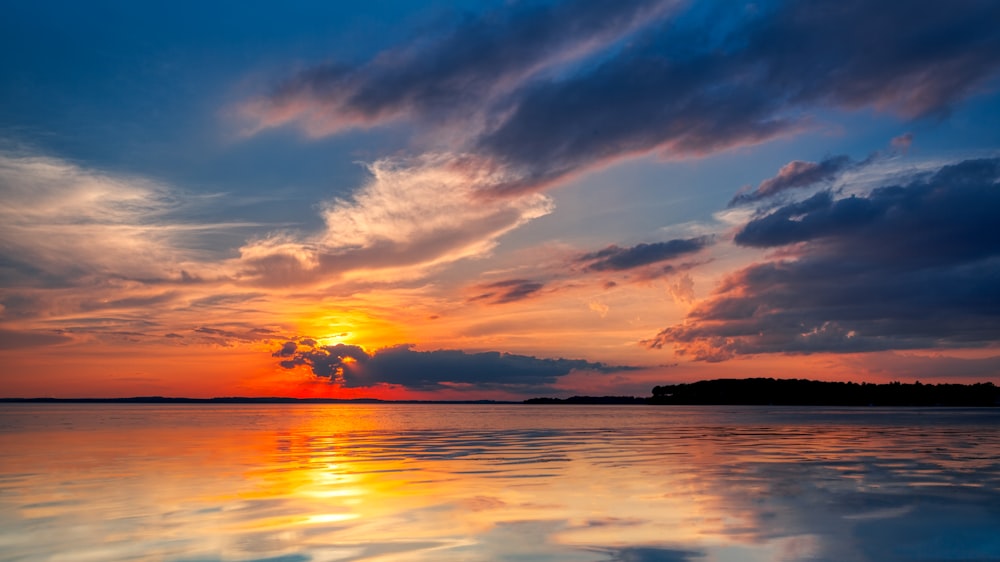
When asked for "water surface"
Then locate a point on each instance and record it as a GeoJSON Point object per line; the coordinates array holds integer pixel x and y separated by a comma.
{"type": "Point", "coordinates": [305, 483]}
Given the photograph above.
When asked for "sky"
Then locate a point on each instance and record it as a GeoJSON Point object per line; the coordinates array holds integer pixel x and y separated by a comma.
{"type": "Point", "coordinates": [495, 199]}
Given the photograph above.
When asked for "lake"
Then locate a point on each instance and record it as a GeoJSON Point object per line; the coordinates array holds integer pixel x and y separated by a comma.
{"type": "Point", "coordinates": [421, 482]}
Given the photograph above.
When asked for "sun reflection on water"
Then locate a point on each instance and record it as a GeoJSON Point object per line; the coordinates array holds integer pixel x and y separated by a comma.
{"type": "Point", "coordinates": [495, 483]}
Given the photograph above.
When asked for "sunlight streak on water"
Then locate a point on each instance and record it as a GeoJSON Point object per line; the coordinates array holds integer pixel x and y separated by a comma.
{"type": "Point", "coordinates": [447, 482]}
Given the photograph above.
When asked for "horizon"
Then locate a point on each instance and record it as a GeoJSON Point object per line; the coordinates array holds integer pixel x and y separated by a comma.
{"type": "Point", "coordinates": [464, 201]}
{"type": "Point", "coordinates": [469, 400]}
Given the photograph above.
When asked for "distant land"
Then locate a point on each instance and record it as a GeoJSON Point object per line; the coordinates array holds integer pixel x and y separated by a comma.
{"type": "Point", "coordinates": [801, 392]}
{"type": "Point", "coordinates": [721, 392]}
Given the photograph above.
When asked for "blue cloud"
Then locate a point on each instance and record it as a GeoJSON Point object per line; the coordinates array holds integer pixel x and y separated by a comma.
{"type": "Point", "coordinates": [795, 174]}
{"type": "Point", "coordinates": [906, 266]}
{"type": "Point", "coordinates": [616, 258]}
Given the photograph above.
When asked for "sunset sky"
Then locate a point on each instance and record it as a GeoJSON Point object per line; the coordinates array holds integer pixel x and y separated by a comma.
{"type": "Point", "coordinates": [495, 199]}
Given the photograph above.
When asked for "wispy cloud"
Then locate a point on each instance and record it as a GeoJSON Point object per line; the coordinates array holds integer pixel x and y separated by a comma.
{"type": "Point", "coordinates": [795, 174]}
{"type": "Point", "coordinates": [507, 291]}
{"type": "Point", "coordinates": [412, 215]}
{"type": "Point", "coordinates": [453, 76]}
{"type": "Point", "coordinates": [617, 258]}
{"type": "Point", "coordinates": [67, 222]}
{"type": "Point", "coordinates": [90, 255]}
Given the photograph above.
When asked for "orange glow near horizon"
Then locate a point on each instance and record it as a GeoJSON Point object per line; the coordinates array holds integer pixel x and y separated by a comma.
{"type": "Point", "coordinates": [250, 370]}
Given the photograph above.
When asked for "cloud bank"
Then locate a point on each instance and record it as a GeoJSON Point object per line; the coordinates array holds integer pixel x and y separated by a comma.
{"type": "Point", "coordinates": [544, 92]}
{"type": "Point", "coordinates": [351, 366]}
{"type": "Point", "coordinates": [906, 266]}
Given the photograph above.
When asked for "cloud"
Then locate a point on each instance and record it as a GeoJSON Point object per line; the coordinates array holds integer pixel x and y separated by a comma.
{"type": "Point", "coordinates": [699, 85]}
{"type": "Point", "coordinates": [449, 76]}
{"type": "Point", "coordinates": [413, 214]}
{"type": "Point", "coordinates": [105, 256]}
{"type": "Point", "coordinates": [545, 91]}
{"type": "Point", "coordinates": [640, 263]}
{"type": "Point", "coordinates": [234, 333]}
{"type": "Point", "coordinates": [945, 217]}
{"type": "Point", "coordinates": [652, 554]}
{"type": "Point", "coordinates": [795, 174]}
{"type": "Point", "coordinates": [903, 267]}
{"type": "Point", "coordinates": [682, 290]}
{"type": "Point", "coordinates": [287, 350]}
{"type": "Point", "coordinates": [616, 258]}
{"type": "Point", "coordinates": [599, 307]}
{"type": "Point", "coordinates": [90, 255]}
{"type": "Point", "coordinates": [903, 142]}
{"type": "Point", "coordinates": [61, 223]}
{"type": "Point", "coordinates": [508, 291]}
{"type": "Point", "coordinates": [352, 366]}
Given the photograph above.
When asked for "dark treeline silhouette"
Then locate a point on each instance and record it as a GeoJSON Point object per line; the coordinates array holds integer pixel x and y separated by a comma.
{"type": "Point", "coordinates": [801, 392]}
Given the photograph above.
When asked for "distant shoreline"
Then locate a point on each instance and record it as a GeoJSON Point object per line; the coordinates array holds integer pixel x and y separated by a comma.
{"type": "Point", "coordinates": [718, 392]}
{"type": "Point", "coordinates": [239, 400]}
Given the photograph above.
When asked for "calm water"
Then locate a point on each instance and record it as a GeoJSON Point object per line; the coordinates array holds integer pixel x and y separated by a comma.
{"type": "Point", "coordinates": [483, 483]}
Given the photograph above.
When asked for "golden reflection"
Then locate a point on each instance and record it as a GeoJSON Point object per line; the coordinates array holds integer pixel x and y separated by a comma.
{"type": "Point", "coordinates": [335, 471]}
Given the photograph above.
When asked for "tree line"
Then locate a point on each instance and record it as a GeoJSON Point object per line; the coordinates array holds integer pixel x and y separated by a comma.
{"type": "Point", "coordinates": [802, 392]}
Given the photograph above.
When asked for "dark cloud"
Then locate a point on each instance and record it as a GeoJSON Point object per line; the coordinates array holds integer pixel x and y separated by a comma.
{"type": "Point", "coordinates": [616, 258]}
{"type": "Point", "coordinates": [699, 85]}
{"type": "Point", "coordinates": [623, 108]}
{"type": "Point", "coordinates": [795, 174]}
{"type": "Point", "coordinates": [436, 77]}
{"type": "Point", "coordinates": [511, 290]}
{"type": "Point", "coordinates": [17, 339]}
{"type": "Point", "coordinates": [906, 266]}
{"type": "Point", "coordinates": [287, 350]}
{"type": "Point", "coordinates": [352, 366]}
{"type": "Point", "coordinates": [947, 217]}
{"type": "Point", "coordinates": [652, 554]}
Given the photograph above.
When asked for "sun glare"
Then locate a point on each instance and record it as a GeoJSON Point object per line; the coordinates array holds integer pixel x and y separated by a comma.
{"type": "Point", "coordinates": [344, 338]}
